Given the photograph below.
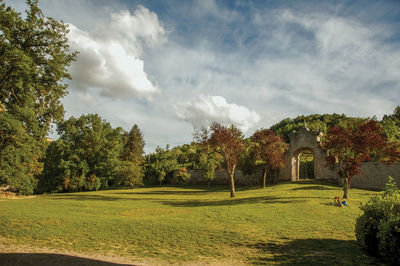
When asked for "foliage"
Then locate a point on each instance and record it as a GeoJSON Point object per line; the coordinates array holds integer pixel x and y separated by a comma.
{"type": "Point", "coordinates": [391, 125]}
{"type": "Point", "coordinates": [132, 162]}
{"type": "Point", "coordinates": [378, 228]}
{"type": "Point", "coordinates": [130, 174]}
{"type": "Point", "coordinates": [315, 122]}
{"type": "Point", "coordinates": [34, 57]}
{"type": "Point", "coordinates": [183, 175]}
{"type": "Point", "coordinates": [348, 147]}
{"type": "Point", "coordinates": [191, 156]}
{"type": "Point", "coordinates": [161, 163]}
{"type": "Point", "coordinates": [270, 148]}
{"type": "Point", "coordinates": [19, 162]}
{"type": "Point", "coordinates": [133, 146]}
{"type": "Point", "coordinates": [226, 141]}
{"type": "Point", "coordinates": [88, 147]}
{"type": "Point", "coordinates": [247, 162]}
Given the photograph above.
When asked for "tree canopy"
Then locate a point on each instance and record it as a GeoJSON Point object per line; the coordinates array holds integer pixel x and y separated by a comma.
{"type": "Point", "coordinates": [315, 122]}
{"type": "Point", "coordinates": [226, 141]}
{"type": "Point", "coordinates": [349, 146]}
{"type": "Point", "coordinates": [86, 156]}
{"type": "Point", "coordinates": [34, 55]}
{"type": "Point", "coordinates": [270, 148]}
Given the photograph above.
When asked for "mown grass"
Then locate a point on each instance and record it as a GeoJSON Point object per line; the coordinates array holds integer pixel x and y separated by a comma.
{"type": "Point", "coordinates": [290, 223]}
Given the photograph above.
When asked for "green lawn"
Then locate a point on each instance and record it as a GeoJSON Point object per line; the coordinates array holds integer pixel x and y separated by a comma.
{"type": "Point", "coordinates": [282, 224]}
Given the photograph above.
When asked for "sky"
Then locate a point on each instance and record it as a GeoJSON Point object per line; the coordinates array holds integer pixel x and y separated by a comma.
{"type": "Point", "coordinates": [172, 67]}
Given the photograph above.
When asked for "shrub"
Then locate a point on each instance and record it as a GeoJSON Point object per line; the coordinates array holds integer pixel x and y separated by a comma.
{"type": "Point", "coordinates": [92, 182]}
{"type": "Point", "coordinates": [389, 239]}
{"type": "Point", "coordinates": [130, 174]}
{"type": "Point", "coordinates": [183, 175]}
{"type": "Point", "coordinates": [378, 228]}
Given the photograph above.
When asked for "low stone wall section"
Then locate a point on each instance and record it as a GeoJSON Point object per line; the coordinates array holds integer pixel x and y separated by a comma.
{"type": "Point", "coordinates": [222, 178]}
{"type": "Point", "coordinates": [375, 175]}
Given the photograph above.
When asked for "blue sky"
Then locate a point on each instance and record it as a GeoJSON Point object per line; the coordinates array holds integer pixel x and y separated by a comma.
{"type": "Point", "coordinates": [174, 66]}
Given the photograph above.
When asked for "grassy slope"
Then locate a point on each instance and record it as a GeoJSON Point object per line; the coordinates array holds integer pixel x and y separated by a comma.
{"type": "Point", "coordinates": [286, 223]}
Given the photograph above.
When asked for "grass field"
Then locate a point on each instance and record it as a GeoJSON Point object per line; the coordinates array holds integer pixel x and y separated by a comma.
{"type": "Point", "coordinates": [282, 224]}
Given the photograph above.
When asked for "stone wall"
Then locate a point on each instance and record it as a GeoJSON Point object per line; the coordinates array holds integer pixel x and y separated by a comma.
{"type": "Point", "coordinates": [375, 175]}
{"type": "Point", "coordinates": [222, 178]}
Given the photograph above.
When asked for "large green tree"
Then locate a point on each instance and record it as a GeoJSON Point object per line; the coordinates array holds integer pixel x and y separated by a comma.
{"type": "Point", "coordinates": [34, 56]}
{"type": "Point", "coordinates": [85, 157]}
{"type": "Point", "coordinates": [132, 162]}
{"type": "Point", "coordinates": [133, 146]}
{"type": "Point", "coordinates": [161, 163]}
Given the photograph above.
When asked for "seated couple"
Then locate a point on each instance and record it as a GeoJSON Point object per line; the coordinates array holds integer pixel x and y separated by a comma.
{"type": "Point", "coordinates": [338, 202]}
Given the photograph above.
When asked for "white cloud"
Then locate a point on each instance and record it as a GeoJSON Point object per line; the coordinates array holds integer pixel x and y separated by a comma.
{"type": "Point", "coordinates": [208, 109]}
{"type": "Point", "coordinates": [108, 58]}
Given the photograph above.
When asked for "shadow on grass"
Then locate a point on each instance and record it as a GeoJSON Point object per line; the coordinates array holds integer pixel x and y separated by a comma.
{"type": "Point", "coordinates": [315, 187]}
{"type": "Point", "coordinates": [17, 259]}
{"type": "Point", "coordinates": [84, 197]}
{"type": "Point", "coordinates": [311, 252]}
{"type": "Point", "coordinates": [236, 201]}
{"type": "Point", "coordinates": [164, 192]}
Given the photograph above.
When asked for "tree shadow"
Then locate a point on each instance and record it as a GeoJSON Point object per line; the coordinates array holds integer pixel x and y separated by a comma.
{"type": "Point", "coordinates": [185, 190]}
{"type": "Point", "coordinates": [17, 259]}
{"type": "Point", "coordinates": [317, 187]}
{"type": "Point", "coordinates": [311, 252]}
{"type": "Point", "coordinates": [164, 192]}
{"type": "Point", "coordinates": [80, 197]}
{"type": "Point", "coordinates": [235, 201]}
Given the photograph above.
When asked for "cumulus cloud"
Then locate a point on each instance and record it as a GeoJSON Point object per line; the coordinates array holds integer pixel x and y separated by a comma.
{"type": "Point", "coordinates": [109, 57]}
{"type": "Point", "coordinates": [208, 109]}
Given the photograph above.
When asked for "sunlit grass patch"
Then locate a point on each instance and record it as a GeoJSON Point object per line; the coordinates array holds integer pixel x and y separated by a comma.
{"type": "Point", "coordinates": [284, 223]}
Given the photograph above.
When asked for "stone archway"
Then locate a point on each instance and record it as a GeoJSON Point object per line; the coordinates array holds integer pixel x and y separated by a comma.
{"type": "Point", "coordinates": [305, 140]}
{"type": "Point", "coordinates": [302, 170]}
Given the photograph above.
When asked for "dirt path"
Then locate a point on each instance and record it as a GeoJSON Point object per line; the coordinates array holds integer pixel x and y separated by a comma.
{"type": "Point", "coordinates": [13, 255]}
{"type": "Point", "coordinates": [18, 255]}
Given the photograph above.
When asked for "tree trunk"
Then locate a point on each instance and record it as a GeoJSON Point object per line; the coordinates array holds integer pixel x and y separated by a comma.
{"type": "Point", "coordinates": [232, 182]}
{"type": "Point", "coordinates": [264, 180]}
{"type": "Point", "coordinates": [346, 186]}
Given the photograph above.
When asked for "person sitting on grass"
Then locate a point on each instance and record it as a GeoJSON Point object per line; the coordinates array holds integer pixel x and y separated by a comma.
{"type": "Point", "coordinates": [337, 202]}
{"type": "Point", "coordinates": [344, 203]}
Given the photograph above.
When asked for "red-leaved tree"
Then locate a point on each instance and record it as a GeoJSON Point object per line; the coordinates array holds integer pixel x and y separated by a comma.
{"type": "Point", "coordinates": [226, 141]}
{"type": "Point", "coordinates": [270, 148]}
{"type": "Point", "coordinates": [349, 147]}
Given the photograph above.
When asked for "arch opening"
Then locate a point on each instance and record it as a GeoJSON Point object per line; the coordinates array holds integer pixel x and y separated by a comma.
{"type": "Point", "coordinates": [306, 165]}
{"type": "Point", "coordinates": [303, 166]}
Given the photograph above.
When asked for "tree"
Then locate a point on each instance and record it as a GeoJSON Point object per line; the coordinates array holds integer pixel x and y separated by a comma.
{"type": "Point", "coordinates": [133, 146]}
{"type": "Point", "coordinates": [183, 175]}
{"type": "Point", "coordinates": [315, 122]}
{"type": "Point", "coordinates": [391, 125]}
{"type": "Point", "coordinates": [132, 162]}
{"type": "Point", "coordinates": [161, 163]}
{"type": "Point", "coordinates": [86, 156]}
{"type": "Point", "coordinates": [34, 55]}
{"type": "Point", "coordinates": [226, 141]}
{"type": "Point", "coordinates": [270, 149]}
{"type": "Point", "coordinates": [348, 147]}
